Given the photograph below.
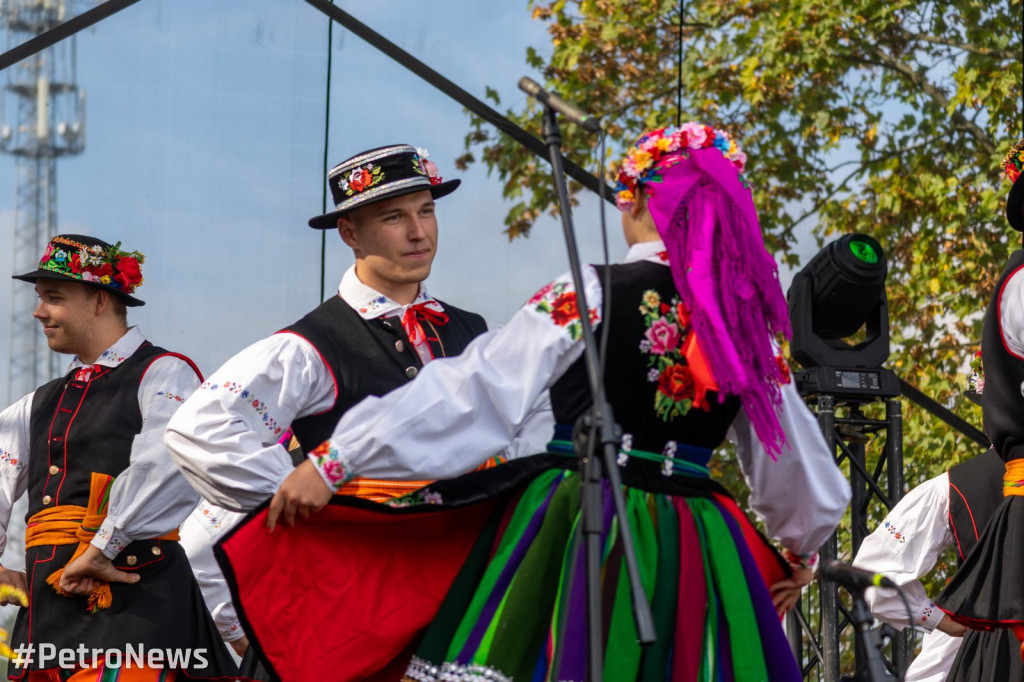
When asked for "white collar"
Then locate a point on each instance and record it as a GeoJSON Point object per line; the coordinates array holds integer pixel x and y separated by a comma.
{"type": "Point", "coordinates": [649, 251]}
{"type": "Point", "coordinates": [370, 303]}
{"type": "Point", "coordinates": [121, 350]}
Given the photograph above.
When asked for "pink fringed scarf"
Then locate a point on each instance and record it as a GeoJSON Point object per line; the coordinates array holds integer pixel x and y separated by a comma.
{"type": "Point", "coordinates": [706, 217]}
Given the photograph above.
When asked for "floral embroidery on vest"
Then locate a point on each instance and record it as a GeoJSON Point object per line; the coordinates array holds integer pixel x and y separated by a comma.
{"type": "Point", "coordinates": [667, 327]}
{"type": "Point", "coordinates": [558, 300]}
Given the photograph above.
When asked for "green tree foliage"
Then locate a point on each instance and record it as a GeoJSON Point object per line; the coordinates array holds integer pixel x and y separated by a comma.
{"type": "Point", "coordinates": [887, 117]}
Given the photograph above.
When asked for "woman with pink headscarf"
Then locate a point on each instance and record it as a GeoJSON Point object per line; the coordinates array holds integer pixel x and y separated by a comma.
{"type": "Point", "coordinates": [695, 312]}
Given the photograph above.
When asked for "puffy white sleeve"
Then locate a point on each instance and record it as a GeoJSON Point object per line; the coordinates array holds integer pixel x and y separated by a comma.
{"type": "Point", "coordinates": [1011, 313]}
{"type": "Point", "coordinates": [204, 526]}
{"type": "Point", "coordinates": [461, 410]}
{"type": "Point", "coordinates": [225, 437]}
{"type": "Point", "coordinates": [150, 497]}
{"type": "Point", "coordinates": [14, 444]}
{"type": "Point", "coordinates": [904, 547]}
{"type": "Point", "coordinates": [801, 496]}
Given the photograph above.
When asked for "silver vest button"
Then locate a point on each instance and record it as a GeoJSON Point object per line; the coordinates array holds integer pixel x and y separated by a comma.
{"type": "Point", "coordinates": [47, 499]}
{"type": "Point", "coordinates": [411, 372]}
{"type": "Point", "coordinates": [399, 346]}
{"type": "Point", "coordinates": [131, 560]}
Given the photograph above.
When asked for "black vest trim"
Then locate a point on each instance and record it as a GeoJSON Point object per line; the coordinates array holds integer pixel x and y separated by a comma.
{"type": "Point", "coordinates": [975, 492]}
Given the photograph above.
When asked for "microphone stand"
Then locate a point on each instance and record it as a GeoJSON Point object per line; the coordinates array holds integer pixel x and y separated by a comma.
{"type": "Point", "coordinates": [868, 641]}
{"type": "Point", "coordinates": [601, 423]}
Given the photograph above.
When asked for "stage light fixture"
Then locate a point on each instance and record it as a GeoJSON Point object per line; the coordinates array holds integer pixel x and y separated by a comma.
{"type": "Point", "coordinates": [839, 293]}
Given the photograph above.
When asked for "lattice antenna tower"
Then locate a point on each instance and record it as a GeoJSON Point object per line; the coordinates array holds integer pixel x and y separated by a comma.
{"type": "Point", "coordinates": [42, 117]}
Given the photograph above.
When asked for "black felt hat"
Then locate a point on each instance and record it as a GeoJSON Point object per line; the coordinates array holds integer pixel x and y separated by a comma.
{"type": "Point", "coordinates": [378, 174]}
{"type": "Point", "coordinates": [91, 261]}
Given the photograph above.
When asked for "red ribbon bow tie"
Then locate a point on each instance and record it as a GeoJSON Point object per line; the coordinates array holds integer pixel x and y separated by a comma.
{"type": "Point", "coordinates": [430, 311]}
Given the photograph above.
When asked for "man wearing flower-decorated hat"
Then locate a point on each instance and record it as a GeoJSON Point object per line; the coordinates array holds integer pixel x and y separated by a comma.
{"type": "Point", "coordinates": [986, 592]}
{"type": "Point", "coordinates": [376, 334]}
{"type": "Point", "coordinates": [105, 571]}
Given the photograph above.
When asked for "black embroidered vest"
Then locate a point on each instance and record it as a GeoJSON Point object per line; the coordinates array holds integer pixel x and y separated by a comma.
{"type": "Point", "coordinates": [1003, 399]}
{"type": "Point", "coordinates": [78, 427]}
{"type": "Point", "coordinates": [370, 357]}
{"type": "Point", "coordinates": [638, 369]}
{"type": "Point", "coordinates": [975, 492]}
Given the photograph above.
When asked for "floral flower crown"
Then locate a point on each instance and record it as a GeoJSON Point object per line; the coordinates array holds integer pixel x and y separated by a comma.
{"type": "Point", "coordinates": [659, 149]}
{"type": "Point", "coordinates": [1013, 163]}
{"type": "Point", "coordinates": [109, 266]}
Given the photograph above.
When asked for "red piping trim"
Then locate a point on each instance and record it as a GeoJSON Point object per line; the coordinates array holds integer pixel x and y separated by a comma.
{"type": "Point", "coordinates": [173, 355]}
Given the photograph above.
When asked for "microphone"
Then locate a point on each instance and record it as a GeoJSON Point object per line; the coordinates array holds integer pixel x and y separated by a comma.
{"type": "Point", "coordinates": [853, 578]}
{"type": "Point", "coordinates": [570, 111]}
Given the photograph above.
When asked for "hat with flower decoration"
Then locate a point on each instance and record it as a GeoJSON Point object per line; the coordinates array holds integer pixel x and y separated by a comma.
{"type": "Point", "coordinates": [1013, 164]}
{"type": "Point", "coordinates": [91, 261]}
{"type": "Point", "coordinates": [379, 174]}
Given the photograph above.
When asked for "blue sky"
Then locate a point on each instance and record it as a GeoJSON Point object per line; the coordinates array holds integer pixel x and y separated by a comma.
{"type": "Point", "coordinates": [204, 150]}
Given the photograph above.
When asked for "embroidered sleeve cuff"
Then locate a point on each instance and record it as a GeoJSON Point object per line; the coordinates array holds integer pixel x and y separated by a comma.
{"type": "Point", "coordinates": [930, 617]}
{"type": "Point", "coordinates": [808, 560]}
{"type": "Point", "coordinates": [329, 463]}
{"type": "Point", "coordinates": [110, 540]}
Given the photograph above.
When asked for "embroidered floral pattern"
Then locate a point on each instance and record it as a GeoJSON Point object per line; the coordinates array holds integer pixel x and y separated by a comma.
{"type": "Point", "coordinates": [667, 326]}
{"type": "Point", "coordinates": [111, 266]}
{"type": "Point", "coordinates": [897, 535]}
{"type": "Point", "coordinates": [328, 460]}
{"type": "Point", "coordinates": [422, 496]}
{"type": "Point", "coordinates": [113, 356]}
{"type": "Point", "coordinates": [260, 407]}
{"type": "Point", "coordinates": [558, 300]}
{"type": "Point", "coordinates": [8, 458]}
{"type": "Point", "coordinates": [210, 516]}
{"type": "Point", "coordinates": [360, 178]}
{"type": "Point", "coordinates": [927, 613]}
{"type": "Point", "coordinates": [170, 396]}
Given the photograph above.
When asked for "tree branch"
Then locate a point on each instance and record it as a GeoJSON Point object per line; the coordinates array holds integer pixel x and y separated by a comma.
{"type": "Point", "coordinates": [938, 96]}
{"type": "Point", "coordinates": [974, 49]}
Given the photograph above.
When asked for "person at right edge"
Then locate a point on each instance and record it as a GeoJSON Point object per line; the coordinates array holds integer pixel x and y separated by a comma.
{"type": "Point", "coordinates": [691, 359]}
{"type": "Point", "coordinates": [987, 593]}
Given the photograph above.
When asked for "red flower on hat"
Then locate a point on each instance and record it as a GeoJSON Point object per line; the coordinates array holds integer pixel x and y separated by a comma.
{"type": "Point", "coordinates": [76, 263]}
{"type": "Point", "coordinates": [360, 179]}
{"type": "Point", "coordinates": [129, 273]}
{"type": "Point", "coordinates": [106, 269]}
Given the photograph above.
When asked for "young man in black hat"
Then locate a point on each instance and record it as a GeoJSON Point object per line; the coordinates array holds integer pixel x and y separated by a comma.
{"type": "Point", "coordinates": [106, 578]}
{"type": "Point", "coordinates": [373, 336]}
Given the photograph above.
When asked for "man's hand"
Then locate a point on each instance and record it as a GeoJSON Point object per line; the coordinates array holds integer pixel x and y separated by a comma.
{"type": "Point", "coordinates": [82, 575]}
{"type": "Point", "coordinates": [786, 592]}
{"type": "Point", "coordinates": [15, 580]}
{"type": "Point", "coordinates": [304, 491]}
{"type": "Point", "coordinates": [951, 627]}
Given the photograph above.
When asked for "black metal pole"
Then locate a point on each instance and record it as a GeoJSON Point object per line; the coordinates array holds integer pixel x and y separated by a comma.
{"type": "Point", "coordinates": [828, 591]}
{"type": "Point", "coordinates": [869, 645]}
{"type": "Point", "coordinates": [602, 424]}
{"type": "Point", "coordinates": [894, 472]}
